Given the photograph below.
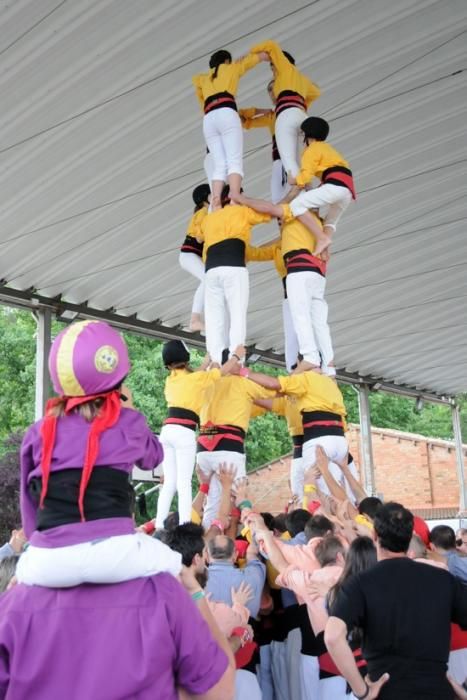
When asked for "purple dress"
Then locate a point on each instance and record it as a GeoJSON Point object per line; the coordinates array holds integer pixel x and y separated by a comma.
{"type": "Point", "coordinates": [129, 442]}
{"type": "Point", "coordinates": [138, 640]}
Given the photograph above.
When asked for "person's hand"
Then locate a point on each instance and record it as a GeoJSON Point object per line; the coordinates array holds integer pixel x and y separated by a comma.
{"type": "Point", "coordinates": [241, 487]}
{"type": "Point", "coordinates": [255, 522]}
{"type": "Point", "coordinates": [188, 580]}
{"type": "Point", "coordinates": [317, 588]}
{"type": "Point", "coordinates": [459, 690]}
{"type": "Point", "coordinates": [17, 541]}
{"type": "Point", "coordinates": [252, 551]}
{"type": "Point", "coordinates": [242, 595]}
{"type": "Point", "coordinates": [290, 179]}
{"type": "Point", "coordinates": [343, 463]}
{"type": "Point", "coordinates": [126, 396]}
{"type": "Point", "coordinates": [263, 56]}
{"type": "Point", "coordinates": [311, 475]}
{"type": "Point", "coordinates": [203, 478]}
{"type": "Point", "coordinates": [226, 475]}
{"type": "Point", "coordinates": [375, 686]}
{"type": "Point", "coordinates": [322, 460]}
{"type": "Point", "coordinates": [235, 369]}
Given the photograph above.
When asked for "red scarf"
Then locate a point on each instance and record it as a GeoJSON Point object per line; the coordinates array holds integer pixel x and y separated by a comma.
{"type": "Point", "coordinates": [107, 417]}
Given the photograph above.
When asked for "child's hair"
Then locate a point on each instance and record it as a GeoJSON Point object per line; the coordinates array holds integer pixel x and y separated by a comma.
{"type": "Point", "coordinates": [217, 59]}
{"type": "Point", "coordinates": [88, 410]}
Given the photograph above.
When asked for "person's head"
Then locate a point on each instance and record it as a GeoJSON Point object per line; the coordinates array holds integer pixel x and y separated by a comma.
{"type": "Point", "coordinates": [296, 521]}
{"type": "Point", "coordinates": [221, 548]}
{"type": "Point", "coordinates": [217, 59]}
{"type": "Point", "coordinates": [417, 548]}
{"type": "Point", "coordinates": [318, 526]}
{"type": "Point", "coordinates": [87, 358]}
{"type": "Point", "coordinates": [175, 354]}
{"type": "Point", "coordinates": [443, 538]}
{"type": "Point", "coordinates": [172, 521]}
{"type": "Point", "coordinates": [270, 89]}
{"type": "Point", "coordinates": [201, 196]}
{"type": "Point", "coordinates": [360, 557]}
{"type": "Point", "coordinates": [268, 520]}
{"type": "Point", "coordinates": [7, 571]}
{"type": "Point", "coordinates": [461, 540]}
{"type": "Point", "coordinates": [393, 527]}
{"type": "Point", "coordinates": [330, 552]}
{"type": "Point", "coordinates": [314, 129]}
{"type": "Point", "coordinates": [279, 524]}
{"type": "Point", "coordinates": [369, 506]}
{"type": "Point", "coordinates": [188, 540]}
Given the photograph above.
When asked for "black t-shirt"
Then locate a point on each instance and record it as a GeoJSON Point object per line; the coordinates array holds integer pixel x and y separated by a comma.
{"type": "Point", "coordinates": [405, 609]}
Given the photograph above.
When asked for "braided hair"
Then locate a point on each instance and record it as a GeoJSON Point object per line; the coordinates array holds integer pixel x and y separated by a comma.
{"type": "Point", "coordinates": [217, 59]}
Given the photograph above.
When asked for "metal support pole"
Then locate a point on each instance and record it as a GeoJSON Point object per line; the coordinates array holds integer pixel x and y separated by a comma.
{"type": "Point", "coordinates": [43, 342]}
{"type": "Point", "coordinates": [456, 424]}
{"type": "Point", "coordinates": [366, 448]}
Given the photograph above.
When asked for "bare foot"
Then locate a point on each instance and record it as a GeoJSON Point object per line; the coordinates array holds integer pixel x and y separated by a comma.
{"type": "Point", "coordinates": [321, 244]}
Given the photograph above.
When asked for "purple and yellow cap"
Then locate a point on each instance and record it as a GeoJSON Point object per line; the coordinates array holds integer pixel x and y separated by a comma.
{"type": "Point", "coordinates": [86, 358]}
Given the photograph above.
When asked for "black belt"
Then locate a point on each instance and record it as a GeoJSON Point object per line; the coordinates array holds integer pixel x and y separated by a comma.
{"type": "Point", "coordinates": [182, 416]}
{"type": "Point", "coordinates": [214, 438]}
{"type": "Point", "coordinates": [109, 495]}
{"type": "Point", "coordinates": [297, 446]}
{"type": "Point", "coordinates": [191, 245]}
{"type": "Point", "coordinates": [218, 101]}
{"type": "Point", "coordinates": [319, 423]}
{"type": "Point", "coordinates": [227, 253]}
{"type": "Point", "coordinates": [287, 99]}
{"type": "Point", "coordinates": [303, 260]}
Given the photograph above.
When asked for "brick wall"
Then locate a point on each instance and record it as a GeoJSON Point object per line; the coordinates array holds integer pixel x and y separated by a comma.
{"type": "Point", "coordinates": [418, 471]}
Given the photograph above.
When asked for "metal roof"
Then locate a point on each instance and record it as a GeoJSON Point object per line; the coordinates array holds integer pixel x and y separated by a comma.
{"type": "Point", "coordinates": [101, 144]}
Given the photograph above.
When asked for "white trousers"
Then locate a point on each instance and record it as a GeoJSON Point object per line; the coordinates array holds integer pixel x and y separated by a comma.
{"type": "Point", "coordinates": [179, 445]}
{"type": "Point", "coordinates": [287, 131]}
{"type": "Point", "coordinates": [279, 185]}
{"type": "Point", "coordinates": [280, 671]}
{"type": "Point", "coordinates": [291, 348]}
{"type": "Point", "coordinates": [225, 287]}
{"type": "Point", "coordinates": [309, 311]}
{"type": "Point", "coordinates": [309, 677]}
{"type": "Point", "coordinates": [109, 560]}
{"type": "Point", "coordinates": [223, 133]}
{"type": "Point", "coordinates": [209, 463]}
{"type": "Point", "coordinates": [333, 688]}
{"type": "Point", "coordinates": [208, 165]}
{"type": "Point", "coordinates": [336, 448]}
{"type": "Point", "coordinates": [297, 477]}
{"type": "Point", "coordinates": [192, 263]}
{"type": "Point", "coordinates": [332, 199]}
{"type": "Point", "coordinates": [246, 686]}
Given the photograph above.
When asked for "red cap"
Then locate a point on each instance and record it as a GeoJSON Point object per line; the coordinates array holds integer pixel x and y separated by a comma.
{"type": "Point", "coordinates": [421, 529]}
{"type": "Point", "coordinates": [243, 655]}
{"type": "Point", "coordinates": [241, 546]}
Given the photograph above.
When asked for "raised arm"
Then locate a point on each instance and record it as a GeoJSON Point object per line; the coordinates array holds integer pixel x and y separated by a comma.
{"type": "Point", "coordinates": [261, 206]}
{"type": "Point", "coordinates": [356, 487]}
{"type": "Point", "coordinates": [275, 54]}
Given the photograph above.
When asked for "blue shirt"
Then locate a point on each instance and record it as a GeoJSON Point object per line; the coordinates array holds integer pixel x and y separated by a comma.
{"type": "Point", "coordinates": [223, 576]}
{"type": "Point", "coordinates": [457, 565]}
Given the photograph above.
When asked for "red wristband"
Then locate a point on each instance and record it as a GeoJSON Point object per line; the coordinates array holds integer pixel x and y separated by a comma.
{"type": "Point", "coordinates": [149, 527]}
{"type": "Point", "coordinates": [244, 372]}
{"type": "Point", "coordinates": [235, 513]}
{"type": "Point", "coordinates": [204, 488]}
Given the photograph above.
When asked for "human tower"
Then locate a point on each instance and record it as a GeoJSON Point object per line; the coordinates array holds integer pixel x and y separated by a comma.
{"type": "Point", "coordinates": [221, 399]}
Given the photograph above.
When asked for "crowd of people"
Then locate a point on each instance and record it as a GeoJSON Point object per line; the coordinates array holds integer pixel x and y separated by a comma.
{"type": "Point", "coordinates": [340, 596]}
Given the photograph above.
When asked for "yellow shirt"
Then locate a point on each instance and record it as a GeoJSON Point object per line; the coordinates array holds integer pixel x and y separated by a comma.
{"type": "Point", "coordinates": [288, 76]}
{"type": "Point", "coordinates": [229, 401]}
{"type": "Point", "coordinates": [249, 120]}
{"type": "Point", "coordinates": [314, 392]}
{"type": "Point", "coordinates": [295, 235]}
{"type": "Point", "coordinates": [270, 252]}
{"type": "Point", "coordinates": [316, 158]}
{"type": "Point", "coordinates": [195, 222]}
{"type": "Point", "coordinates": [287, 406]}
{"type": "Point", "coordinates": [228, 75]}
{"type": "Point", "coordinates": [184, 389]}
{"type": "Point", "coordinates": [232, 221]}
